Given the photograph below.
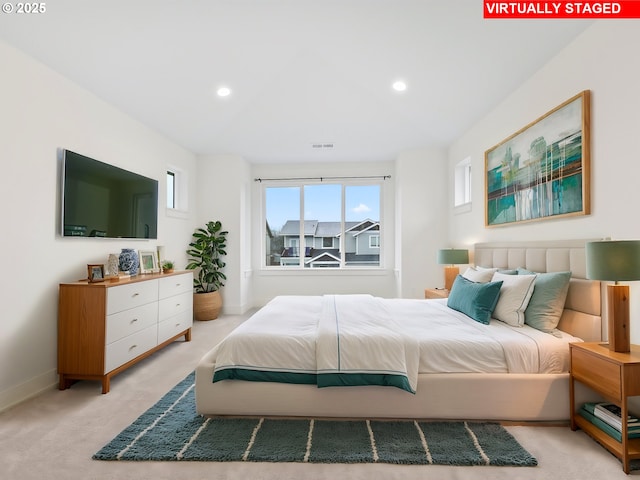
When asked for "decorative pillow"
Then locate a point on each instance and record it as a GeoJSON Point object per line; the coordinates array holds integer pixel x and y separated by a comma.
{"type": "Point", "coordinates": [481, 275]}
{"type": "Point", "coordinates": [476, 300]}
{"type": "Point", "coordinates": [515, 295]}
{"type": "Point", "coordinates": [547, 302]}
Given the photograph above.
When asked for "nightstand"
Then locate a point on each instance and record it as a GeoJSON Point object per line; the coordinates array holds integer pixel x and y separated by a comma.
{"type": "Point", "coordinates": [613, 375]}
{"type": "Point", "coordinates": [436, 293]}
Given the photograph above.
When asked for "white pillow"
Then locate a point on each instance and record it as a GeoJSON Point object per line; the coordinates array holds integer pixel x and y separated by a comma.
{"type": "Point", "coordinates": [515, 294]}
{"type": "Point", "coordinates": [480, 276]}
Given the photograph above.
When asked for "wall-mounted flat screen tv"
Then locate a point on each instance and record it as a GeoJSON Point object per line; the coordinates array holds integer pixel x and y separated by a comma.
{"type": "Point", "coordinates": [100, 200]}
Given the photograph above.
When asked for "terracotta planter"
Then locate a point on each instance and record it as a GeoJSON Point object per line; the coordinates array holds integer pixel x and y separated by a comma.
{"type": "Point", "coordinates": [207, 306]}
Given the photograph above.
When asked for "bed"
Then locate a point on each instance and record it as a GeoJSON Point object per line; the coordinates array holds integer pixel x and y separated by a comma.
{"type": "Point", "coordinates": [502, 385]}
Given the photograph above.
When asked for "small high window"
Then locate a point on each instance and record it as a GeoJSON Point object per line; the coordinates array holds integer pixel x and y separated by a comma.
{"type": "Point", "coordinates": [462, 183]}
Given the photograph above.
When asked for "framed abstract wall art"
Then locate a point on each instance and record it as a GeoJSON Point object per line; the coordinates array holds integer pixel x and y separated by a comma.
{"type": "Point", "coordinates": [543, 170]}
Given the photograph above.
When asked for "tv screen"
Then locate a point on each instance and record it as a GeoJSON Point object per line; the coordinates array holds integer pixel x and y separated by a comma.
{"type": "Point", "coordinates": [100, 200]}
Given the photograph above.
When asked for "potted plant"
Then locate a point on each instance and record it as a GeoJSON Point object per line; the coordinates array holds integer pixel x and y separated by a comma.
{"type": "Point", "coordinates": [205, 254]}
{"type": "Point", "coordinates": [167, 266]}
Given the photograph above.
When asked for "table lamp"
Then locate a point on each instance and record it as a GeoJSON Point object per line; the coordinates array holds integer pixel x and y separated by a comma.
{"type": "Point", "coordinates": [615, 260]}
{"type": "Point", "coordinates": [452, 257]}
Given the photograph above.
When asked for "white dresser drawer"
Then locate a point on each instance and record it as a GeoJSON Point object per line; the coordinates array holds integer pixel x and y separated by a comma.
{"type": "Point", "coordinates": [131, 295]}
{"type": "Point", "coordinates": [168, 307]}
{"type": "Point", "coordinates": [174, 325]}
{"type": "Point", "coordinates": [122, 324]}
{"type": "Point", "coordinates": [175, 284]}
{"type": "Point", "coordinates": [128, 348]}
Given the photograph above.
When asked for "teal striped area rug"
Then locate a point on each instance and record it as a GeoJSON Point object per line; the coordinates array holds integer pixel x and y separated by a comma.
{"type": "Point", "coordinates": [171, 430]}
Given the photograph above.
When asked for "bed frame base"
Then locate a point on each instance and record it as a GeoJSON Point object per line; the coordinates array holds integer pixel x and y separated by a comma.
{"type": "Point", "coordinates": [500, 397]}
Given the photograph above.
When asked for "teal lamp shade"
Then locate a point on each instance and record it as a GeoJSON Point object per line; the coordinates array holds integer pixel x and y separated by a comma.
{"type": "Point", "coordinates": [615, 260]}
{"type": "Point", "coordinates": [452, 256]}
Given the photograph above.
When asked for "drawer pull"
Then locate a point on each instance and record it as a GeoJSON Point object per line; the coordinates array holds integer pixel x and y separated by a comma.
{"type": "Point", "coordinates": [132, 347]}
{"type": "Point", "coordinates": [178, 284]}
{"type": "Point", "coordinates": [177, 324]}
{"type": "Point", "coordinates": [134, 320]}
{"type": "Point", "coordinates": [177, 304]}
{"type": "Point", "coordinates": [135, 294]}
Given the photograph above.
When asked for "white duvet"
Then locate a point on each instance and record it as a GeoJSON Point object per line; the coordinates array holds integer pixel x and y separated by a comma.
{"type": "Point", "coordinates": [365, 334]}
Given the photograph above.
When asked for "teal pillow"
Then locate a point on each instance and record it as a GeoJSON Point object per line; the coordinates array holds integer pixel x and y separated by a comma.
{"type": "Point", "coordinates": [476, 300]}
{"type": "Point", "coordinates": [547, 302]}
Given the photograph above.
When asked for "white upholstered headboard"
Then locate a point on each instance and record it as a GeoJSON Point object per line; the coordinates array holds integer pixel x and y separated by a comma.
{"type": "Point", "coordinates": [583, 311]}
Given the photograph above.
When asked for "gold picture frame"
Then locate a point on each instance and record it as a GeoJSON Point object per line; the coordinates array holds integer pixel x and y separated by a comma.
{"type": "Point", "coordinates": [543, 170]}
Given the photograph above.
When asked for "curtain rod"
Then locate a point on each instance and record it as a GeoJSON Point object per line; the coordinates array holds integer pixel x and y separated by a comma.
{"type": "Point", "coordinates": [383, 177]}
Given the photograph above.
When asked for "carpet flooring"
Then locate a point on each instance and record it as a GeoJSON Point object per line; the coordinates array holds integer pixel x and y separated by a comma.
{"type": "Point", "coordinates": [172, 430]}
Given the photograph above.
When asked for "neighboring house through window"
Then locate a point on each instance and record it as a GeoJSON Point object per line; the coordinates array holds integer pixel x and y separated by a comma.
{"type": "Point", "coordinates": [323, 225]}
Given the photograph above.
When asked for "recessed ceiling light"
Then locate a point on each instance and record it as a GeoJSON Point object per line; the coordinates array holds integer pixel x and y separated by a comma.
{"type": "Point", "coordinates": [224, 92]}
{"type": "Point", "coordinates": [399, 86]}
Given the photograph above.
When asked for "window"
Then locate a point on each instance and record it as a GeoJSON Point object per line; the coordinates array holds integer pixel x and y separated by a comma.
{"type": "Point", "coordinates": [462, 183]}
{"type": "Point", "coordinates": [322, 225]}
{"type": "Point", "coordinates": [177, 192]}
{"type": "Point", "coordinates": [171, 189]}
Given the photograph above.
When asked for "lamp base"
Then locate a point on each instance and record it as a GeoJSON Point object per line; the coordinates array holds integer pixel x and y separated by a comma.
{"type": "Point", "coordinates": [450, 274]}
{"type": "Point", "coordinates": [618, 318]}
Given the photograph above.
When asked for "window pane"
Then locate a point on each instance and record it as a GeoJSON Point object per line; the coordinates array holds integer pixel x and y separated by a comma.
{"type": "Point", "coordinates": [323, 220]}
{"type": "Point", "coordinates": [362, 225]}
{"type": "Point", "coordinates": [171, 190]}
{"type": "Point", "coordinates": [282, 241]}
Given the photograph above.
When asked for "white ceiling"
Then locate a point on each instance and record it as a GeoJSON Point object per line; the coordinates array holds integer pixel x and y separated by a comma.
{"type": "Point", "coordinates": [302, 72]}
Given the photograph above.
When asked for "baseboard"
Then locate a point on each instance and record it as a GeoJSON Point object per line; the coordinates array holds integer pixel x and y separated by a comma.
{"type": "Point", "coordinates": [235, 309]}
{"type": "Point", "coordinates": [29, 389]}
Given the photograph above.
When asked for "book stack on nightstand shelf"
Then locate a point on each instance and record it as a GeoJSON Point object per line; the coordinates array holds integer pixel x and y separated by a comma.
{"type": "Point", "coordinates": [607, 417]}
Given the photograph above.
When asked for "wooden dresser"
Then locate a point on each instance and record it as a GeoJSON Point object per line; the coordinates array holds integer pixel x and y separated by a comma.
{"type": "Point", "coordinates": [106, 327]}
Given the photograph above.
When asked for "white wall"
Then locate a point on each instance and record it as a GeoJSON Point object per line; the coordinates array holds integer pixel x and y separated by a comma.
{"type": "Point", "coordinates": [603, 59]}
{"type": "Point", "coordinates": [421, 220]}
{"type": "Point", "coordinates": [268, 284]}
{"type": "Point", "coordinates": [224, 194]}
{"type": "Point", "coordinates": [41, 112]}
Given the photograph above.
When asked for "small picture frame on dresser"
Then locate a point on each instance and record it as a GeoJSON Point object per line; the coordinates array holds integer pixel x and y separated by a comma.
{"type": "Point", "coordinates": [95, 273]}
{"type": "Point", "coordinates": [148, 261]}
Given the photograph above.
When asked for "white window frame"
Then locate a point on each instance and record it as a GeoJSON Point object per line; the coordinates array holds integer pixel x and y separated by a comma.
{"type": "Point", "coordinates": [181, 192]}
{"type": "Point", "coordinates": [344, 184]}
{"type": "Point", "coordinates": [462, 184]}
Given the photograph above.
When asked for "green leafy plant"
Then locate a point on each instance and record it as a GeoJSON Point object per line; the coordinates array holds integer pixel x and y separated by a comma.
{"type": "Point", "coordinates": [167, 265]}
{"type": "Point", "coordinates": [206, 252]}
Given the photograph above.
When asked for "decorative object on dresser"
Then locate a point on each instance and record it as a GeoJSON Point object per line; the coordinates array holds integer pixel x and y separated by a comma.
{"type": "Point", "coordinates": [167, 266]}
{"type": "Point", "coordinates": [148, 261]}
{"type": "Point", "coordinates": [129, 261]}
{"type": "Point", "coordinates": [105, 328]}
{"type": "Point", "coordinates": [452, 257]}
{"type": "Point", "coordinates": [95, 273]}
{"type": "Point", "coordinates": [206, 252]}
{"type": "Point", "coordinates": [113, 268]}
{"type": "Point", "coordinates": [615, 260]}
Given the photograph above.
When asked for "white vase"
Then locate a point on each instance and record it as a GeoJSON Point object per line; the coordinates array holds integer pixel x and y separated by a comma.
{"type": "Point", "coordinates": [112, 264]}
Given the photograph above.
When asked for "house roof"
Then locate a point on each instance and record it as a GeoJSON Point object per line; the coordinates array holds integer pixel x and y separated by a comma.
{"type": "Point", "coordinates": [322, 229]}
{"type": "Point", "coordinates": [292, 227]}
